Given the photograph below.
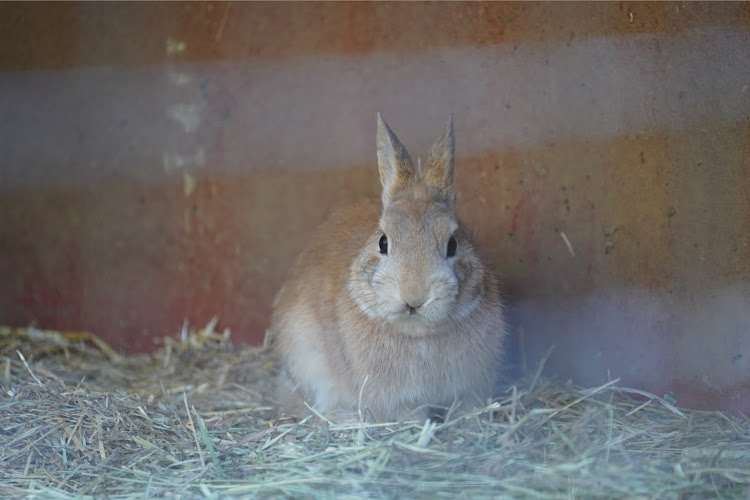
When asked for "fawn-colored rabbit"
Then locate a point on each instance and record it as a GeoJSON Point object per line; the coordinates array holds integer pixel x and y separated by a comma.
{"type": "Point", "coordinates": [390, 306]}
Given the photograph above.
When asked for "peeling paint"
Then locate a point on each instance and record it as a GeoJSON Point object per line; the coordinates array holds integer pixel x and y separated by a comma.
{"type": "Point", "coordinates": [187, 115]}
{"type": "Point", "coordinates": [188, 184]}
{"type": "Point", "coordinates": [175, 46]}
{"type": "Point", "coordinates": [172, 161]}
{"type": "Point", "coordinates": [179, 79]}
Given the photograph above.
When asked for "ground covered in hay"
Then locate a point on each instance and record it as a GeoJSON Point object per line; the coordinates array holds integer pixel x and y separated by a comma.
{"type": "Point", "coordinates": [197, 419]}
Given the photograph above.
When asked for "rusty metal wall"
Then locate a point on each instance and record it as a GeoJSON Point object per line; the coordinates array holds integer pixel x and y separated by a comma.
{"type": "Point", "coordinates": [167, 161]}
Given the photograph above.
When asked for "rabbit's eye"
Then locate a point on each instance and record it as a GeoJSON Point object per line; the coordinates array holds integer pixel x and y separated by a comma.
{"type": "Point", "coordinates": [383, 245]}
{"type": "Point", "coordinates": [452, 245]}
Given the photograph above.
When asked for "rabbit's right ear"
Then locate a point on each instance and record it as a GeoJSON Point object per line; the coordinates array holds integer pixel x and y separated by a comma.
{"type": "Point", "coordinates": [394, 163]}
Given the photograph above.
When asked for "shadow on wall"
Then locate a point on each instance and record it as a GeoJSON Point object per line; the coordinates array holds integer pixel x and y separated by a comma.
{"type": "Point", "coordinates": [695, 349]}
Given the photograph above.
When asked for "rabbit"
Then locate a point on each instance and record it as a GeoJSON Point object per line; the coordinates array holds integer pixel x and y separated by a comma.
{"type": "Point", "coordinates": [390, 310]}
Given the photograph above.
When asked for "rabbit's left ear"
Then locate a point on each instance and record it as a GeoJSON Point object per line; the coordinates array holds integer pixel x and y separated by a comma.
{"type": "Point", "coordinates": [394, 163]}
{"type": "Point", "coordinates": [438, 172]}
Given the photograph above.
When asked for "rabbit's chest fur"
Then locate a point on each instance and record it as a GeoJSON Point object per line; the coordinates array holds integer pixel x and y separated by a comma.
{"type": "Point", "coordinates": [396, 372]}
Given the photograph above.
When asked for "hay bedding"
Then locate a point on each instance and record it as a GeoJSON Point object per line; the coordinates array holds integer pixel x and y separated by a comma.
{"type": "Point", "coordinates": [196, 419]}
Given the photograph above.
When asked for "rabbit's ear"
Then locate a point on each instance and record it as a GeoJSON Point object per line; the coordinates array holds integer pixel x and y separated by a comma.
{"type": "Point", "coordinates": [438, 171]}
{"type": "Point", "coordinates": [394, 163]}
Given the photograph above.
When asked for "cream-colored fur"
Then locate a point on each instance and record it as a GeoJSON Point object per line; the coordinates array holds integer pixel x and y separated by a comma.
{"type": "Point", "coordinates": [420, 327]}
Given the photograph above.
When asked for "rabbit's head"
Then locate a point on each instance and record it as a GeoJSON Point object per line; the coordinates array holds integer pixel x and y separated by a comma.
{"type": "Point", "coordinates": [419, 269]}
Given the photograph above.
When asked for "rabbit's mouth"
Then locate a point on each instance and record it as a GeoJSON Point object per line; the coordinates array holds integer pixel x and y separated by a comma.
{"type": "Point", "coordinates": [408, 316]}
{"type": "Point", "coordinates": [413, 316]}
{"type": "Point", "coordinates": [415, 321]}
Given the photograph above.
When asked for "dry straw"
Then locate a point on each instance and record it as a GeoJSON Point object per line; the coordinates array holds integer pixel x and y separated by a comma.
{"type": "Point", "coordinates": [197, 420]}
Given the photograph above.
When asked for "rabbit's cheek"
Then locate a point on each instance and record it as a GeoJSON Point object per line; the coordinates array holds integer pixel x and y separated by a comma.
{"type": "Point", "coordinates": [365, 279]}
{"type": "Point", "coordinates": [370, 268]}
{"type": "Point", "coordinates": [462, 269]}
{"type": "Point", "coordinates": [377, 295]}
{"type": "Point", "coordinates": [444, 287]}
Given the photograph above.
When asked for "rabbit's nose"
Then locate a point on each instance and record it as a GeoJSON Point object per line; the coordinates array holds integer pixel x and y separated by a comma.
{"type": "Point", "coordinates": [412, 305]}
{"type": "Point", "coordinates": [413, 294]}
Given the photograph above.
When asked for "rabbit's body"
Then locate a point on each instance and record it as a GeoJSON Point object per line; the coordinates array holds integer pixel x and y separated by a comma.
{"type": "Point", "coordinates": [417, 325]}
